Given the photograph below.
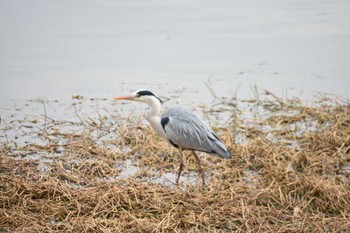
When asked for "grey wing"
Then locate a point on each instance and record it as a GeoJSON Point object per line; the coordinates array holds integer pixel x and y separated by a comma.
{"type": "Point", "coordinates": [184, 129]}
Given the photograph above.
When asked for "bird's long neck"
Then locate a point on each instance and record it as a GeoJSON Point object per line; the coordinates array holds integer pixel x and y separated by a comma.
{"type": "Point", "coordinates": [154, 109]}
{"type": "Point", "coordinates": [153, 116]}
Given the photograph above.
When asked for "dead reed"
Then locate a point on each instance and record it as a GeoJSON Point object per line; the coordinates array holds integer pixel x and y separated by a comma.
{"type": "Point", "coordinates": [290, 172]}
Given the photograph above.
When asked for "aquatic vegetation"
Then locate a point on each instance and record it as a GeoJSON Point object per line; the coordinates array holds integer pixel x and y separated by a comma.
{"type": "Point", "coordinates": [108, 172]}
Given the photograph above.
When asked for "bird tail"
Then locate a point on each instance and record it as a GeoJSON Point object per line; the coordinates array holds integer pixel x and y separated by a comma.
{"type": "Point", "coordinates": [221, 150]}
{"type": "Point", "coordinates": [218, 147]}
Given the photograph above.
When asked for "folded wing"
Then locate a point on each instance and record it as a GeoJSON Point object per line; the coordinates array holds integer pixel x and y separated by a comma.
{"type": "Point", "coordinates": [186, 130]}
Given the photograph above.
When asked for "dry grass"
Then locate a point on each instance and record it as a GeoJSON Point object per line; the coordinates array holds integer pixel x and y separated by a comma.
{"type": "Point", "coordinates": [289, 173]}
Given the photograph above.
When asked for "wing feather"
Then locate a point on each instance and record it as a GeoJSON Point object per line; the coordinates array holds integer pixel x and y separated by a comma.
{"type": "Point", "coordinates": [187, 131]}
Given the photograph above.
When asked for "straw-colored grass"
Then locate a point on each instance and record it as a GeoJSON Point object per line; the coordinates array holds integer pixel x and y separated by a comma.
{"type": "Point", "coordinates": [289, 173]}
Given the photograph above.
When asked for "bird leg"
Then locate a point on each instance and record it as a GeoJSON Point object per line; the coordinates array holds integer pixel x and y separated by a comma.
{"type": "Point", "coordinates": [199, 166]}
{"type": "Point", "coordinates": [181, 165]}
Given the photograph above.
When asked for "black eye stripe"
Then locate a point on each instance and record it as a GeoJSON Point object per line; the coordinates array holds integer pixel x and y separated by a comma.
{"type": "Point", "coordinates": [145, 92]}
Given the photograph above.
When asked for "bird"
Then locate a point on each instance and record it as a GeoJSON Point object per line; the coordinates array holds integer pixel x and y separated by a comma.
{"type": "Point", "coordinates": [181, 128]}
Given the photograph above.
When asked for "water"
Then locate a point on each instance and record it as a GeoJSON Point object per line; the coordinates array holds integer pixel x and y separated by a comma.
{"type": "Point", "coordinates": [56, 49]}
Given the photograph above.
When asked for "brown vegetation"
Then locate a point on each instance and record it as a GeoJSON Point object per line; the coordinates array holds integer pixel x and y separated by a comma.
{"type": "Point", "coordinates": [290, 172]}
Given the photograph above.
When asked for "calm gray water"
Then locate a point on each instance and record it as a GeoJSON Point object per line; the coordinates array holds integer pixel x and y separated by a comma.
{"type": "Point", "coordinates": [99, 48]}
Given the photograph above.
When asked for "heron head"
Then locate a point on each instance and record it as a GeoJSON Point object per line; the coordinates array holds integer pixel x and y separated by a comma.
{"type": "Point", "coordinates": [141, 95]}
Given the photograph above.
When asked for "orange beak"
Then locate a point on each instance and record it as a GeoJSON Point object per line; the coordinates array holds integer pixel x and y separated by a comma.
{"type": "Point", "coordinates": [125, 97]}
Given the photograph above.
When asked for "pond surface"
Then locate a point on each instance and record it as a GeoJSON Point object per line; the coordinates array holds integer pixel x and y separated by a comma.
{"type": "Point", "coordinates": [56, 49]}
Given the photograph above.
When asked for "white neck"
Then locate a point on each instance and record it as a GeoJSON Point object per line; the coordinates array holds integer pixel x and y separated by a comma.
{"type": "Point", "coordinates": [155, 107]}
{"type": "Point", "coordinates": [153, 115]}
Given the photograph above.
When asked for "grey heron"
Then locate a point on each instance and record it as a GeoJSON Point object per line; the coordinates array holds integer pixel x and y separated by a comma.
{"type": "Point", "coordinates": [180, 128]}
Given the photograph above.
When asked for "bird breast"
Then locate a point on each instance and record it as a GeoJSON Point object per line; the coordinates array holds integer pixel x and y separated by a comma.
{"type": "Point", "coordinates": [156, 125]}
